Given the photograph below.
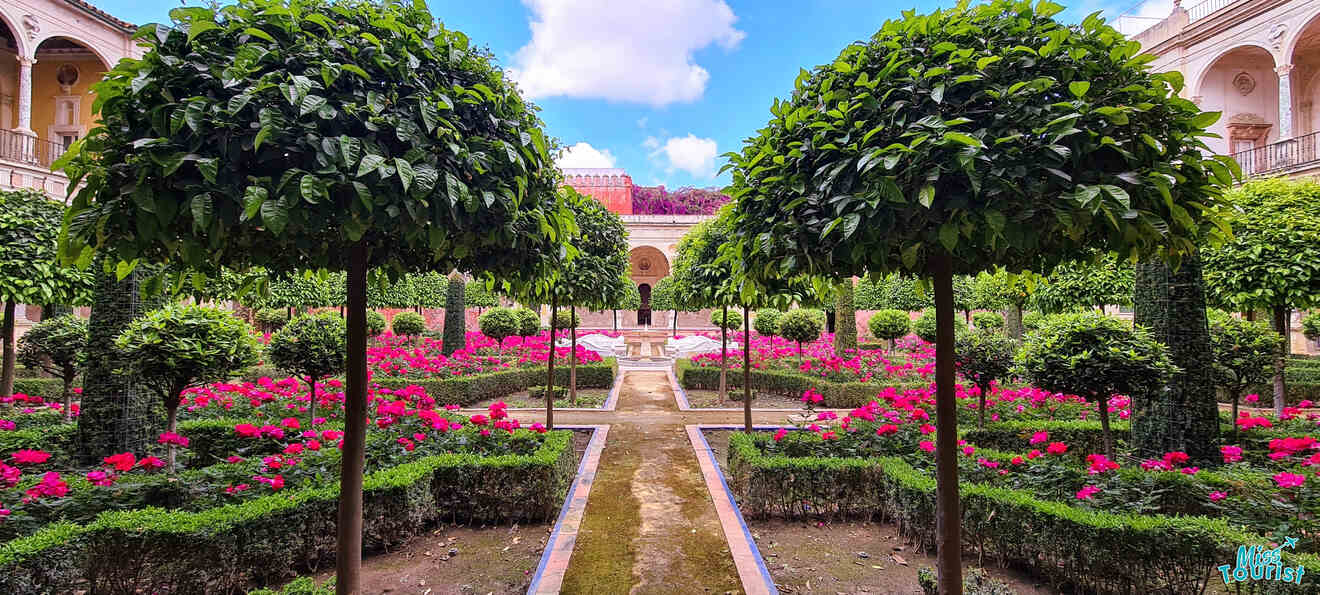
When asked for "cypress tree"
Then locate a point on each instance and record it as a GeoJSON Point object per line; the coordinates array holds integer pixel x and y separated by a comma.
{"type": "Point", "coordinates": [455, 322]}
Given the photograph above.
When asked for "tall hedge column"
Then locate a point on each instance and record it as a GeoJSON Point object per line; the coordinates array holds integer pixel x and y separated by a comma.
{"type": "Point", "coordinates": [455, 322]}
{"type": "Point", "coordinates": [845, 315]}
{"type": "Point", "coordinates": [1185, 415]}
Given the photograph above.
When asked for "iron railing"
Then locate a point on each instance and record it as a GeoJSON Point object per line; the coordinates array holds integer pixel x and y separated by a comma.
{"type": "Point", "coordinates": [29, 149]}
{"type": "Point", "coordinates": [1280, 156]}
{"type": "Point", "coordinates": [1148, 13]}
{"type": "Point", "coordinates": [1207, 8]}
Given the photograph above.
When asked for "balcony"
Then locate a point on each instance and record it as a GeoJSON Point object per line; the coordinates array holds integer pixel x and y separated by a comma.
{"type": "Point", "coordinates": [1292, 156]}
{"type": "Point", "coordinates": [25, 163]}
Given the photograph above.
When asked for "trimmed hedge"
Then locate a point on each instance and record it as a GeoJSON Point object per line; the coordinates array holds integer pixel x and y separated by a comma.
{"type": "Point", "coordinates": [466, 390]}
{"type": "Point", "coordinates": [1084, 550]}
{"type": "Point", "coordinates": [51, 388]}
{"type": "Point", "coordinates": [837, 395]}
{"type": "Point", "coordinates": [261, 541]}
{"type": "Point", "coordinates": [1082, 437]}
{"type": "Point", "coordinates": [61, 441]}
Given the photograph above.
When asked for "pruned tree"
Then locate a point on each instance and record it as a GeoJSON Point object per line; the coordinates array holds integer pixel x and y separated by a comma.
{"type": "Point", "coordinates": [597, 276]}
{"type": "Point", "coordinates": [702, 280]}
{"type": "Point", "coordinates": [311, 347]}
{"type": "Point", "coordinates": [57, 346]}
{"type": "Point", "coordinates": [967, 139]}
{"type": "Point", "coordinates": [352, 136]}
{"type": "Point", "coordinates": [1098, 281]}
{"type": "Point", "coordinates": [1244, 352]}
{"type": "Point", "coordinates": [984, 357]}
{"type": "Point", "coordinates": [1001, 289]}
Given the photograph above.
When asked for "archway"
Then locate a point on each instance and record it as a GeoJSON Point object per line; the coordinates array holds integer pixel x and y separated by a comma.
{"type": "Point", "coordinates": [1242, 83]}
{"type": "Point", "coordinates": [644, 311]}
{"type": "Point", "coordinates": [648, 266]}
{"type": "Point", "coordinates": [1304, 55]}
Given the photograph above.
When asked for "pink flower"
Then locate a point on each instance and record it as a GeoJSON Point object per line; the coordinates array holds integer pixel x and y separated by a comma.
{"type": "Point", "coordinates": [1100, 464]}
{"type": "Point", "coordinates": [122, 461]}
{"type": "Point", "coordinates": [100, 478]}
{"type": "Point", "coordinates": [927, 446]}
{"type": "Point", "coordinates": [1016, 460]}
{"type": "Point", "coordinates": [290, 423]}
{"type": "Point", "coordinates": [927, 429]}
{"type": "Point", "coordinates": [886, 429]}
{"type": "Point", "coordinates": [968, 450]}
{"type": "Point", "coordinates": [1086, 492]}
{"type": "Point", "coordinates": [9, 476]}
{"type": "Point", "coordinates": [51, 485]}
{"type": "Point", "coordinates": [1252, 398]}
{"type": "Point", "coordinates": [826, 415]}
{"type": "Point", "coordinates": [247, 430]}
{"type": "Point", "coordinates": [234, 459]}
{"type": "Point", "coordinates": [1232, 454]}
{"type": "Point", "coordinates": [1189, 470]}
{"type": "Point", "coordinates": [234, 489]}
{"type": "Point", "coordinates": [151, 463]}
{"type": "Point", "coordinates": [1056, 448]}
{"type": "Point", "coordinates": [479, 420]}
{"type": "Point", "coordinates": [172, 438]}
{"type": "Point", "coordinates": [30, 457]}
{"type": "Point", "coordinates": [1039, 437]}
{"type": "Point", "coordinates": [293, 449]}
{"type": "Point", "coordinates": [7, 425]}
{"type": "Point", "coordinates": [1289, 480]}
{"type": "Point", "coordinates": [1033, 454]}
{"type": "Point", "coordinates": [1176, 457]}
{"type": "Point", "coordinates": [537, 427]}
{"type": "Point", "coordinates": [1217, 496]}
{"type": "Point", "coordinates": [780, 434]}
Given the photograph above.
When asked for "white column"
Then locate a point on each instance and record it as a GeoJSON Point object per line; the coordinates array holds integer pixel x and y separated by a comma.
{"type": "Point", "coordinates": [1285, 101]}
{"type": "Point", "coordinates": [25, 95]}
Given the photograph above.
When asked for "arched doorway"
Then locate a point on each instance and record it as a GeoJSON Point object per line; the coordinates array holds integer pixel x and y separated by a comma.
{"type": "Point", "coordinates": [644, 311]}
{"type": "Point", "coordinates": [1242, 83]}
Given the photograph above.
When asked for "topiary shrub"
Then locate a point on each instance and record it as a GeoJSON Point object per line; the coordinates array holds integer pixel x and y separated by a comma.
{"type": "Point", "coordinates": [376, 323]}
{"type": "Point", "coordinates": [1094, 356]}
{"type": "Point", "coordinates": [1032, 320]}
{"type": "Point", "coordinates": [845, 318]}
{"type": "Point", "coordinates": [801, 326]}
{"type": "Point", "coordinates": [455, 316]}
{"type": "Point", "coordinates": [179, 347]}
{"type": "Point", "coordinates": [270, 320]}
{"type": "Point", "coordinates": [984, 356]}
{"type": "Point", "coordinates": [498, 324]}
{"type": "Point", "coordinates": [566, 319]}
{"type": "Point", "coordinates": [732, 323]}
{"type": "Point", "coordinates": [924, 325]}
{"type": "Point", "coordinates": [58, 347]}
{"type": "Point", "coordinates": [766, 322]}
{"type": "Point", "coordinates": [408, 324]}
{"type": "Point", "coordinates": [1245, 353]}
{"type": "Point", "coordinates": [538, 392]}
{"type": "Point", "coordinates": [991, 321]}
{"type": "Point", "coordinates": [311, 347]}
{"type": "Point", "coordinates": [529, 322]}
{"type": "Point", "coordinates": [890, 325]}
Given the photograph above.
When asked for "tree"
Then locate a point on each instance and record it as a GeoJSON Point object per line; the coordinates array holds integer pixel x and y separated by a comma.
{"type": "Point", "coordinates": [991, 321]}
{"type": "Point", "coordinates": [767, 322]}
{"type": "Point", "coordinates": [890, 325]}
{"type": "Point", "coordinates": [967, 139]}
{"type": "Point", "coordinates": [925, 326]}
{"type": "Point", "coordinates": [455, 334]}
{"type": "Point", "coordinates": [845, 315]}
{"type": "Point", "coordinates": [1095, 356]}
{"type": "Point", "coordinates": [394, 294]}
{"type": "Point", "coordinates": [801, 327]}
{"type": "Point", "coordinates": [720, 320]}
{"type": "Point", "coordinates": [597, 276]}
{"type": "Point", "coordinates": [529, 322]}
{"type": "Point", "coordinates": [311, 347]}
{"type": "Point", "coordinates": [1273, 261]}
{"type": "Point", "coordinates": [703, 280]}
{"type": "Point", "coordinates": [663, 298]}
{"type": "Point", "coordinates": [1244, 352]}
{"type": "Point", "coordinates": [1002, 289]}
{"type": "Point", "coordinates": [432, 289]}
{"type": "Point", "coordinates": [408, 324]}
{"type": "Point", "coordinates": [1311, 326]}
{"type": "Point", "coordinates": [58, 347]}
{"type": "Point", "coordinates": [270, 320]}
{"type": "Point", "coordinates": [375, 323]}
{"type": "Point", "coordinates": [1095, 283]}
{"type": "Point", "coordinates": [499, 324]}
{"type": "Point", "coordinates": [478, 295]}
{"type": "Point", "coordinates": [631, 299]}
{"type": "Point", "coordinates": [985, 356]}
{"type": "Point", "coordinates": [566, 319]}
{"type": "Point", "coordinates": [352, 136]}
{"type": "Point", "coordinates": [180, 347]}
{"type": "Point", "coordinates": [29, 269]}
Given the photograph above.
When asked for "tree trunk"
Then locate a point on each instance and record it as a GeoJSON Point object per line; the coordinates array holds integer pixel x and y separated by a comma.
{"type": "Point", "coordinates": [348, 554]}
{"type": "Point", "coordinates": [550, 371]}
{"type": "Point", "coordinates": [724, 355]}
{"type": "Point", "coordinates": [311, 403]}
{"type": "Point", "coordinates": [616, 321]}
{"type": "Point", "coordinates": [948, 515]}
{"type": "Point", "coordinates": [572, 357]}
{"type": "Point", "coordinates": [171, 422]}
{"type": "Point", "coordinates": [676, 323]}
{"type": "Point", "coordinates": [68, 397]}
{"type": "Point", "coordinates": [10, 352]}
{"type": "Point", "coordinates": [747, 370]}
{"type": "Point", "coordinates": [1234, 418]}
{"type": "Point", "coordinates": [1014, 322]}
{"type": "Point", "coordinates": [1104, 427]}
{"type": "Point", "coordinates": [1280, 317]}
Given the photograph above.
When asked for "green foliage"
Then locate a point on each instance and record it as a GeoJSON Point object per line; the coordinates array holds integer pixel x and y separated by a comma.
{"type": "Point", "coordinates": [837, 395]}
{"type": "Point", "coordinates": [300, 586]}
{"type": "Point", "coordinates": [397, 294]}
{"type": "Point", "coordinates": [924, 325]}
{"type": "Point", "coordinates": [455, 336]}
{"type": "Point", "coordinates": [992, 321]}
{"type": "Point", "coordinates": [1273, 259]}
{"type": "Point", "coordinates": [56, 346]}
{"type": "Point", "coordinates": [1311, 326]}
{"type": "Point", "coordinates": [598, 276]}
{"type": "Point", "coordinates": [431, 289]}
{"type": "Point", "coordinates": [29, 269]}
{"type": "Point", "coordinates": [529, 322]}
{"type": "Point", "coordinates": [663, 295]}
{"type": "Point", "coordinates": [733, 323]}
{"type": "Point", "coordinates": [376, 323]}
{"type": "Point", "coordinates": [408, 324]}
{"type": "Point", "coordinates": [701, 278]}
{"type": "Point", "coordinates": [845, 318]}
{"type": "Point", "coordinates": [766, 322]}
{"type": "Point", "coordinates": [889, 324]}
{"type": "Point", "coordinates": [1032, 320]}
{"type": "Point", "coordinates": [477, 295]}
{"type": "Point", "coordinates": [1078, 284]}
{"type": "Point", "coordinates": [1094, 356]}
{"type": "Point", "coordinates": [800, 325]}
{"type": "Point", "coordinates": [311, 346]}
{"type": "Point", "coordinates": [948, 132]}
{"type": "Point", "coordinates": [891, 292]}
{"type": "Point", "coordinates": [1244, 350]}
{"type": "Point", "coordinates": [566, 319]}
{"type": "Point", "coordinates": [499, 323]}
{"type": "Point", "coordinates": [976, 582]}
{"type": "Point", "coordinates": [270, 320]}
{"type": "Point", "coordinates": [473, 388]}
{"type": "Point", "coordinates": [631, 299]}
{"type": "Point", "coordinates": [277, 136]}
{"type": "Point", "coordinates": [1002, 289]}
{"type": "Point", "coordinates": [179, 346]}
{"type": "Point", "coordinates": [984, 356]}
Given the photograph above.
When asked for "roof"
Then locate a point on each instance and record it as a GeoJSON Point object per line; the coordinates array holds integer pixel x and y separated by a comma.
{"type": "Point", "coordinates": [108, 18]}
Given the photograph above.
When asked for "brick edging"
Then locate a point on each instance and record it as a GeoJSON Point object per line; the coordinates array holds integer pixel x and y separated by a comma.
{"type": "Point", "coordinates": [550, 570]}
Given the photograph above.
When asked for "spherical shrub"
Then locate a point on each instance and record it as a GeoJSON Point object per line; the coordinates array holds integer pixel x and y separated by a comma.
{"type": "Point", "coordinates": [311, 347]}
{"type": "Point", "coordinates": [800, 326]}
{"type": "Point", "coordinates": [529, 322]}
{"type": "Point", "coordinates": [984, 356]}
{"type": "Point", "coordinates": [498, 323]}
{"type": "Point", "coordinates": [889, 325]}
{"type": "Point", "coordinates": [57, 346]}
{"type": "Point", "coordinates": [989, 321]}
{"type": "Point", "coordinates": [733, 322]}
{"type": "Point", "coordinates": [270, 320]}
{"type": "Point", "coordinates": [766, 322]}
{"type": "Point", "coordinates": [566, 319]}
{"type": "Point", "coordinates": [924, 325]}
{"type": "Point", "coordinates": [375, 323]}
{"type": "Point", "coordinates": [408, 324]}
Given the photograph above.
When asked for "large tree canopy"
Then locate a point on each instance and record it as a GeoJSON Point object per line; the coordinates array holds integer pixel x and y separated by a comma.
{"type": "Point", "coordinates": [1100, 281]}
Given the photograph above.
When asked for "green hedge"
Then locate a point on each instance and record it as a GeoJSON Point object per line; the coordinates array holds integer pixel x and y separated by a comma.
{"type": "Point", "coordinates": [1082, 437]}
{"type": "Point", "coordinates": [51, 388]}
{"type": "Point", "coordinates": [837, 395]}
{"type": "Point", "coordinates": [1076, 548]}
{"type": "Point", "coordinates": [60, 441]}
{"type": "Point", "coordinates": [261, 541]}
{"type": "Point", "coordinates": [466, 390]}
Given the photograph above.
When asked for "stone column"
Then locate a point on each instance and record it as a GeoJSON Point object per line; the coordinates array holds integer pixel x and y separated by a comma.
{"type": "Point", "coordinates": [25, 96]}
{"type": "Point", "coordinates": [1285, 101]}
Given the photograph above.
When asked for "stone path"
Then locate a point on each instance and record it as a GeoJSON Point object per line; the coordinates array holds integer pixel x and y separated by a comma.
{"type": "Point", "coordinates": [650, 525]}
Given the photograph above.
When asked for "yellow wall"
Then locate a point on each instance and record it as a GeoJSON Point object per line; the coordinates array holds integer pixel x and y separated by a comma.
{"type": "Point", "coordinates": [9, 72]}
{"type": "Point", "coordinates": [45, 88]}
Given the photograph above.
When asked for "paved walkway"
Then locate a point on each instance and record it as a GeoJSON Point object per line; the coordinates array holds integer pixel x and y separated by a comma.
{"type": "Point", "coordinates": [650, 525]}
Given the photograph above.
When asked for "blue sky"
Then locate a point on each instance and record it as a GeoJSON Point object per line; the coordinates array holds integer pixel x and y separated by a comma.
{"type": "Point", "coordinates": [660, 88]}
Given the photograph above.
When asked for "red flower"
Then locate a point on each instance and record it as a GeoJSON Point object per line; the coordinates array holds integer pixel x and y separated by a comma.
{"type": "Point", "coordinates": [123, 461]}
{"type": "Point", "coordinates": [1056, 448]}
{"type": "Point", "coordinates": [151, 463]}
{"type": "Point", "coordinates": [247, 430]}
{"type": "Point", "coordinates": [479, 419]}
{"type": "Point", "coordinates": [172, 438]}
{"type": "Point", "coordinates": [30, 457]}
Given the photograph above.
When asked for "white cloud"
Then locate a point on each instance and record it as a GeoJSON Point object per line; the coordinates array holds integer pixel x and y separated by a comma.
{"type": "Point", "coordinates": [584, 155]}
{"type": "Point", "coordinates": [687, 153]}
{"type": "Point", "coordinates": [622, 50]}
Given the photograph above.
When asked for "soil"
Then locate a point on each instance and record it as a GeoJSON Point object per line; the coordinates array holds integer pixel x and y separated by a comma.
{"type": "Point", "coordinates": [710, 399]}
{"type": "Point", "coordinates": [650, 526]}
{"type": "Point", "coordinates": [587, 398]}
